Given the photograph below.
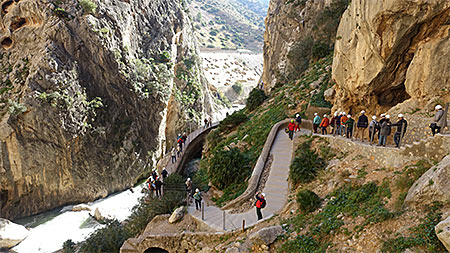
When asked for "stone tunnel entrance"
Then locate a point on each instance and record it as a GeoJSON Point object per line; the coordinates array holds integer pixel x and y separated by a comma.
{"type": "Point", "coordinates": [156, 250]}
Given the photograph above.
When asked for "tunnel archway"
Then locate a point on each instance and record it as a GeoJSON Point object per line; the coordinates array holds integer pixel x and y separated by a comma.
{"type": "Point", "coordinates": [155, 250]}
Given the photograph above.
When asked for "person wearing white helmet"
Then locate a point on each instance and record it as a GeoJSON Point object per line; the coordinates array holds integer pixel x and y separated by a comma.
{"type": "Point", "coordinates": [324, 124]}
{"type": "Point", "coordinates": [188, 188]}
{"type": "Point", "coordinates": [439, 120]}
{"type": "Point", "coordinates": [333, 123]}
{"type": "Point", "coordinates": [298, 122]}
{"type": "Point", "coordinates": [316, 122]}
{"type": "Point", "coordinates": [344, 119]}
{"type": "Point", "coordinates": [401, 125]}
{"type": "Point", "coordinates": [372, 128]}
{"type": "Point", "coordinates": [349, 123]}
{"type": "Point", "coordinates": [198, 199]}
{"type": "Point", "coordinates": [338, 125]}
{"type": "Point", "coordinates": [260, 203]}
{"type": "Point", "coordinates": [361, 126]}
{"type": "Point", "coordinates": [385, 131]}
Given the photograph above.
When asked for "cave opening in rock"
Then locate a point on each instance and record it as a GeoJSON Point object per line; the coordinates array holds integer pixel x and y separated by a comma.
{"type": "Point", "coordinates": [18, 23]}
{"type": "Point", "coordinates": [393, 96]}
{"type": "Point", "coordinates": [156, 250]}
{"type": "Point", "coordinates": [5, 6]}
{"type": "Point", "coordinates": [6, 42]}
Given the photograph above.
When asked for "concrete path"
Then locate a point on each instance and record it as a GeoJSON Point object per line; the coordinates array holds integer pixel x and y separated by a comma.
{"type": "Point", "coordinates": [276, 190]}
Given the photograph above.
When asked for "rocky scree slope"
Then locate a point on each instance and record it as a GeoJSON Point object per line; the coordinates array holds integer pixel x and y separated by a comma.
{"type": "Point", "coordinates": [87, 90]}
{"type": "Point", "coordinates": [393, 52]}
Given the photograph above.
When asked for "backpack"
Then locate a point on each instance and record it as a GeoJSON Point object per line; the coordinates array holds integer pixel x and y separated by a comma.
{"type": "Point", "coordinates": [263, 204]}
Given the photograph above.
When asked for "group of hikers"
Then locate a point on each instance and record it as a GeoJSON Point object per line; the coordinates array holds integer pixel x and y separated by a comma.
{"type": "Point", "coordinates": [343, 124]}
{"type": "Point", "coordinates": [155, 182]}
{"type": "Point", "coordinates": [208, 122]}
{"type": "Point", "coordinates": [176, 152]}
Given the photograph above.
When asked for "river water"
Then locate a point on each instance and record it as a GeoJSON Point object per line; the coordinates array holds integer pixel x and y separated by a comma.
{"type": "Point", "coordinates": [49, 230]}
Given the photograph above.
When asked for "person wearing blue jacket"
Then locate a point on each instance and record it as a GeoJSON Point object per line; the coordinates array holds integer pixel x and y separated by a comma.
{"type": "Point", "coordinates": [316, 122]}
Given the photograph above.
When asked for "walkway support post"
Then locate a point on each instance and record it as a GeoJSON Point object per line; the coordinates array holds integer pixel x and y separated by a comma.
{"type": "Point", "coordinates": [243, 225]}
{"type": "Point", "coordinates": [401, 135]}
{"type": "Point", "coordinates": [203, 210]}
{"type": "Point", "coordinates": [223, 220]}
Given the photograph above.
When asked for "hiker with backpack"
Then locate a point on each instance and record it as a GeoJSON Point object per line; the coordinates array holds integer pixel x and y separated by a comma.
{"type": "Point", "coordinates": [401, 130]}
{"type": "Point", "coordinates": [344, 119]}
{"type": "Point", "coordinates": [158, 185]}
{"type": "Point", "coordinates": [338, 124]}
{"type": "Point", "coordinates": [260, 203]}
{"type": "Point", "coordinates": [439, 120]}
{"type": "Point", "coordinates": [198, 199]}
{"type": "Point", "coordinates": [349, 126]}
{"type": "Point", "coordinates": [373, 128]}
{"type": "Point", "coordinates": [361, 126]}
{"type": "Point", "coordinates": [291, 128]}
{"type": "Point", "coordinates": [316, 122]}
{"type": "Point", "coordinates": [174, 155]}
{"type": "Point", "coordinates": [298, 122]}
{"type": "Point", "coordinates": [385, 131]}
{"type": "Point", "coordinates": [333, 123]}
{"type": "Point", "coordinates": [324, 124]}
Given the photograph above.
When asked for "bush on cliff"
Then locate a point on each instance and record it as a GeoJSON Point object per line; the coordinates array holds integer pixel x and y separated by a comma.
{"type": "Point", "coordinates": [255, 99]}
{"type": "Point", "coordinates": [107, 239]}
{"type": "Point", "coordinates": [232, 120]}
{"type": "Point", "coordinates": [306, 164]}
{"type": "Point", "coordinates": [308, 200]}
{"type": "Point", "coordinates": [228, 167]}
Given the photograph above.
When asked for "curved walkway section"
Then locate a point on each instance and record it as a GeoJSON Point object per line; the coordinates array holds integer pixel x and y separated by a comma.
{"type": "Point", "coordinates": [191, 139]}
{"type": "Point", "coordinates": [276, 190]}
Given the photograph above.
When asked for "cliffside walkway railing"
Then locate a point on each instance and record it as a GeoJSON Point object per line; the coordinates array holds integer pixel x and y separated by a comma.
{"type": "Point", "coordinates": [191, 138]}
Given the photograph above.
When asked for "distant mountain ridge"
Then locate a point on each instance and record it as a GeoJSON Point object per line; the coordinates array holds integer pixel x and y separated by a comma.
{"type": "Point", "coordinates": [230, 24]}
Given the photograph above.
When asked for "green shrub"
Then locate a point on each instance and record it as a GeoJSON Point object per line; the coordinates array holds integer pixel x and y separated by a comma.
{"type": "Point", "coordinates": [320, 50]}
{"type": "Point", "coordinates": [302, 244]}
{"type": "Point", "coordinates": [232, 120]}
{"type": "Point", "coordinates": [88, 6]}
{"type": "Point", "coordinates": [422, 235]}
{"type": "Point", "coordinates": [107, 239]}
{"type": "Point", "coordinates": [228, 167]}
{"type": "Point", "coordinates": [255, 98]}
{"type": "Point", "coordinates": [68, 247]}
{"type": "Point", "coordinates": [16, 108]}
{"type": "Point", "coordinates": [306, 164]}
{"type": "Point", "coordinates": [308, 200]}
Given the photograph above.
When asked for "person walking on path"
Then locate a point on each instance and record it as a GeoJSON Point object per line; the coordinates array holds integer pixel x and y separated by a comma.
{"type": "Point", "coordinates": [260, 203]}
{"type": "Point", "coordinates": [439, 120]}
{"type": "Point", "coordinates": [324, 124]}
{"type": "Point", "coordinates": [180, 142]}
{"type": "Point", "coordinates": [401, 130]}
{"type": "Point", "coordinates": [338, 124]}
{"type": "Point", "coordinates": [184, 138]}
{"type": "Point", "coordinates": [373, 126]}
{"type": "Point", "coordinates": [316, 122]}
{"type": "Point", "coordinates": [178, 151]}
{"type": "Point", "coordinates": [174, 155]}
{"type": "Point", "coordinates": [188, 188]}
{"type": "Point", "coordinates": [349, 126]}
{"type": "Point", "coordinates": [361, 126]}
{"type": "Point", "coordinates": [385, 131]}
{"type": "Point", "coordinates": [206, 123]}
{"type": "Point", "coordinates": [291, 128]}
{"type": "Point", "coordinates": [380, 123]}
{"type": "Point", "coordinates": [158, 185]}
{"type": "Point", "coordinates": [333, 123]}
{"type": "Point", "coordinates": [344, 119]}
{"type": "Point", "coordinates": [198, 199]}
{"type": "Point", "coordinates": [298, 122]}
{"type": "Point", "coordinates": [164, 174]}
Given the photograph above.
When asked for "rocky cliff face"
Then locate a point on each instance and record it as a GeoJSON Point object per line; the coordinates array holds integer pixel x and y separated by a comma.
{"type": "Point", "coordinates": [87, 90]}
{"type": "Point", "coordinates": [389, 52]}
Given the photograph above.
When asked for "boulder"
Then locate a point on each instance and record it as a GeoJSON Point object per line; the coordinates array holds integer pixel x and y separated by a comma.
{"type": "Point", "coordinates": [266, 236]}
{"type": "Point", "coordinates": [442, 230]}
{"type": "Point", "coordinates": [11, 233]}
{"type": "Point", "coordinates": [177, 215]}
{"type": "Point", "coordinates": [232, 250]}
{"type": "Point", "coordinates": [99, 215]}
{"type": "Point", "coordinates": [81, 207]}
{"type": "Point", "coordinates": [433, 185]}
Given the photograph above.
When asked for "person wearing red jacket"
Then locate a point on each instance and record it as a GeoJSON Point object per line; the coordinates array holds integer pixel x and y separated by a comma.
{"type": "Point", "coordinates": [260, 203]}
{"type": "Point", "coordinates": [291, 128]}
{"type": "Point", "coordinates": [324, 124]}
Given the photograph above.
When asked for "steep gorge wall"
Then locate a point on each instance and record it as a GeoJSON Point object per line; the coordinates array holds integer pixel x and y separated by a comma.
{"type": "Point", "coordinates": [393, 52]}
{"type": "Point", "coordinates": [85, 99]}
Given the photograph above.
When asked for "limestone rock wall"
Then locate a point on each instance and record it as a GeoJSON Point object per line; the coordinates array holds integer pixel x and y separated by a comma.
{"type": "Point", "coordinates": [389, 52]}
{"type": "Point", "coordinates": [286, 23]}
{"type": "Point", "coordinates": [86, 95]}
